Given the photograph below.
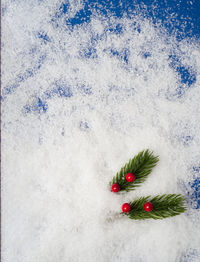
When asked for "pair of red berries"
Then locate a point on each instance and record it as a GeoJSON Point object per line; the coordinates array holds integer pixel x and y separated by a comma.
{"type": "Point", "coordinates": [130, 177]}
{"type": "Point", "coordinates": [126, 207]}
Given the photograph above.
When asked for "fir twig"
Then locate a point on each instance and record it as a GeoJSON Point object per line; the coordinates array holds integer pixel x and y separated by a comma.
{"type": "Point", "coordinates": [141, 165]}
{"type": "Point", "coordinates": [164, 206]}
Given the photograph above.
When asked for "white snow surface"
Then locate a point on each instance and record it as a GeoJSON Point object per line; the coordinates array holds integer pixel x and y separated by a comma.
{"type": "Point", "coordinates": [61, 147]}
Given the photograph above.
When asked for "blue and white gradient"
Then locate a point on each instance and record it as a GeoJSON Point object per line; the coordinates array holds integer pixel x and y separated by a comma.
{"type": "Point", "coordinates": [85, 86]}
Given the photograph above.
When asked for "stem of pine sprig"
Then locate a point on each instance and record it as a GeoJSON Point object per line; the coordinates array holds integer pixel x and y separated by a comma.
{"type": "Point", "coordinates": [163, 206]}
{"type": "Point", "coordinates": [141, 165]}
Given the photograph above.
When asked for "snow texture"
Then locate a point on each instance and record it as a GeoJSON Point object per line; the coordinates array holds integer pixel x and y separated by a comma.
{"type": "Point", "coordinates": [86, 86]}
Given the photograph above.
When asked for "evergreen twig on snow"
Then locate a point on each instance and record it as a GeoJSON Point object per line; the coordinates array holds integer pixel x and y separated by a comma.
{"type": "Point", "coordinates": [164, 206]}
{"type": "Point", "coordinates": [141, 165]}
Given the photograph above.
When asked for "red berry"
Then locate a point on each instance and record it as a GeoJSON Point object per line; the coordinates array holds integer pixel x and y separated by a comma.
{"type": "Point", "coordinates": [126, 207]}
{"type": "Point", "coordinates": [148, 206]}
{"type": "Point", "coordinates": [130, 177]}
{"type": "Point", "coordinates": [115, 188]}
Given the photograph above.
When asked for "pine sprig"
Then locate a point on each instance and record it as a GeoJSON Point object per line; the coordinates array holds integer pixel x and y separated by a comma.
{"type": "Point", "coordinates": [164, 206]}
{"type": "Point", "coordinates": [141, 165]}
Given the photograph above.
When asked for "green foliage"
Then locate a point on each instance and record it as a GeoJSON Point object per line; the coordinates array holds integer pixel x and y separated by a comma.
{"type": "Point", "coordinates": [164, 206]}
{"type": "Point", "coordinates": [141, 165]}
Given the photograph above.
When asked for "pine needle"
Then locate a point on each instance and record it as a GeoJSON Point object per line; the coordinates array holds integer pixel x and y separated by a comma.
{"type": "Point", "coordinates": [141, 165]}
{"type": "Point", "coordinates": [164, 206]}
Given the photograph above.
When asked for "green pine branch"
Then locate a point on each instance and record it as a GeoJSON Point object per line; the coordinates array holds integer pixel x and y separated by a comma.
{"type": "Point", "coordinates": [164, 206]}
{"type": "Point", "coordinates": [141, 165]}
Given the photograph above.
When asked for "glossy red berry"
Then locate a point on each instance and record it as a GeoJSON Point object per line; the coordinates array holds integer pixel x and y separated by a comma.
{"type": "Point", "coordinates": [148, 206]}
{"type": "Point", "coordinates": [115, 188]}
{"type": "Point", "coordinates": [126, 207]}
{"type": "Point", "coordinates": [130, 177]}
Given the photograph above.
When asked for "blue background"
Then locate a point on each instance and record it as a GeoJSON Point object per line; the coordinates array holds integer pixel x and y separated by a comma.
{"type": "Point", "coordinates": [180, 17]}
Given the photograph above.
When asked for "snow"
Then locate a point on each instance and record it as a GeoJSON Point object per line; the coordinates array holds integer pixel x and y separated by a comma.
{"type": "Point", "coordinates": [78, 101]}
